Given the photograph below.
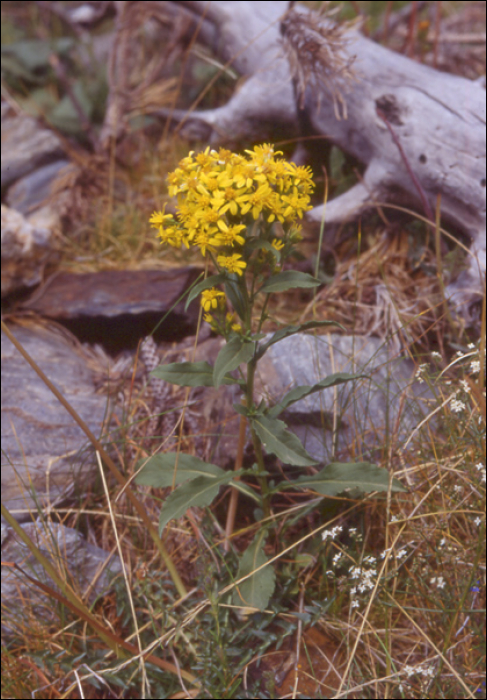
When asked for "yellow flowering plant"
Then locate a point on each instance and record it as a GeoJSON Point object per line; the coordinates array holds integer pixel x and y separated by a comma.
{"type": "Point", "coordinates": [242, 212]}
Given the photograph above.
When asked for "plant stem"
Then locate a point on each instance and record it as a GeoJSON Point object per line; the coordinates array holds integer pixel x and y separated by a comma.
{"type": "Point", "coordinates": [266, 507]}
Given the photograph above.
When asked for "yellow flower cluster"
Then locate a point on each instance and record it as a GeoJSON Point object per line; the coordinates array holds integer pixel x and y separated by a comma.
{"type": "Point", "coordinates": [220, 194]}
{"type": "Point", "coordinates": [215, 301]}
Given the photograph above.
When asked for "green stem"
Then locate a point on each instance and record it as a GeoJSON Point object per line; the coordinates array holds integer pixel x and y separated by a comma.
{"type": "Point", "coordinates": [263, 314]}
{"type": "Point", "coordinates": [259, 456]}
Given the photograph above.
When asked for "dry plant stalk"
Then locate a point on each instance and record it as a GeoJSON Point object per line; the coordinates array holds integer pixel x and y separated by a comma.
{"type": "Point", "coordinates": [317, 53]}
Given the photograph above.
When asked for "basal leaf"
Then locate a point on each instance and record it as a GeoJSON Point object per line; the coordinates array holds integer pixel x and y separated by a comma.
{"type": "Point", "coordinates": [277, 439]}
{"type": "Point", "coordinates": [289, 279]}
{"type": "Point", "coordinates": [197, 492]}
{"type": "Point", "coordinates": [236, 351]}
{"type": "Point", "coordinates": [338, 477]}
{"type": "Point", "coordinates": [255, 591]}
{"type": "Point", "coordinates": [159, 470]}
{"type": "Point", "coordinates": [300, 392]}
{"type": "Point", "coordinates": [189, 374]}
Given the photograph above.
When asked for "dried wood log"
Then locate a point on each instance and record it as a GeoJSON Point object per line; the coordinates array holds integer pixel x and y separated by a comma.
{"type": "Point", "coordinates": [247, 38]}
{"type": "Point", "coordinates": [419, 132]}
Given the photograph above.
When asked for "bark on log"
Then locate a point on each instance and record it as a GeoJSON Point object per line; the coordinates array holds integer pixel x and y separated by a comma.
{"type": "Point", "coordinates": [419, 132]}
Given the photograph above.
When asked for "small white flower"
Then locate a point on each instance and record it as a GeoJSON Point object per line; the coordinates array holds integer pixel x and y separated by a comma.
{"type": "Point", "coordinates": [331, 533]}
{"type": "Point", "coordinates": [465, 385]}
{"type": "Point", "coordinates": [420, 371]}
{"type": "Point", "coordinates": [438, 581]}
{"type": "Point", "coordinates": [402, 553]}
{"type": "Point", "coordinates": [475, 366]}
{"type": "Point", "coordinates": [436, 355]}
{"type": "Point", "coordinates": [457, 406]}
{"type": "Point", "coordinates": [481, 468]}
{"type": "Point", "coordinates": [478, 521]}
{"type": "Point", "coordinates": [355, 604]}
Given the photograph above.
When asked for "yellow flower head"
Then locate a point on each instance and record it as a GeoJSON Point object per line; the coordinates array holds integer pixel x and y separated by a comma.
{"type": "Point", "coordinates": [277, 244]}
{"type": "Point", "coordinates": [222, 195]}
{"type": "Point", "coordinates": [232, 263]}
{"type": "Point", "coordinates": [212, 299]}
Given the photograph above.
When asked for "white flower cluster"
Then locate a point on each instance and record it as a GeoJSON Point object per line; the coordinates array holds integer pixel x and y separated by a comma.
{"type": "Point", "coordinates": [331, 533]}
{"type": "Point", "coordinates": [457, 406]}
{"type": "Point", "coordinates": [481, 468]}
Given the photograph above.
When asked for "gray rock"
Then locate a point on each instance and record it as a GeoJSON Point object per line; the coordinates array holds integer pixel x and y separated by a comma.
{"type": "Point", "coordinates": [25, 146]}
{"type": "Point", "coordinates": [66, 549]}
{"type": "Point", "coordinates": [112, 293]}
{"type": "Point", "coordinates": [44, 452]}
{"type": "Point", "coordinates": [26, 249]}
{"type": "Point", "coordinates": [358, 419]}
{"type": "Point", "coordinates": [34, 189]}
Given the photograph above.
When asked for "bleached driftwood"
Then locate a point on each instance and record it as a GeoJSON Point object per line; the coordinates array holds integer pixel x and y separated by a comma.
{"type": "Point", "coordinates": [246, 37]}
{"type": "Point", "coordinates": [420, 132]}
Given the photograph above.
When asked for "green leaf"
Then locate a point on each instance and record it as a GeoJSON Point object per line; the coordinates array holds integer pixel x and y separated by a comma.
{"type": "Point", "coordinates": [289, 279]}
{"type": "Point", "coordinates": [34, 54]}
{"type": "Point", "coordinates": [338, 477]}
{"type": "Point", "coordinates": [240, 409]}
{"type": "Point", "coordinates": [201, 286]}
{"type": "Point", "coordinates": [292, 330]}
{"type": "Point", "coordinates": [189, 374]}
{"type": "Point", "coordinates": [255, 591]}
{"type": "Point", "coordinates": [197, 492]}
{"type": "Point", "coordinates": [231, 356]}
{"type": "Point", "coordinates": [234, 293]}
{"type": "Point", "coordinates": [159, 470]}
{"type": "Point", "coordinates": [300, 392]}
{"type": "Point", "coordinates": [65, 115]}
{"type": "Point", "coordinates": [246, 490]}
{"type": "Point", "coordinates": [279, 441]}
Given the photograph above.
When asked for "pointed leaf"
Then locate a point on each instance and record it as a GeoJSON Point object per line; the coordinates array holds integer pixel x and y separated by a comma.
{"type": "Point", "coordinates": [189, 374]}
{"type": "Point", "coordinates": [236, 351]}
{"type": "Point", "coordinates": [289, 279]}
{"type": "Point", "coordinates": [300, 392]}
{"type": "Point", "coordinates": [338, 477]}
{"type": "Point", "coordinates": [246, 490]}
{"type": "Point", "coordinates": [234, 293]}
{"type": "Point", "coordinates": [201, 286]}
{"type": "Point", "coordinates": [158, 471]}
{"type": "Point", "coordinates": [279, 441]}
{"type": "Point", "coordinates": [255, 591]}
{"type": "Point", "coordinates": [197, 492]}
{"type": "Point", "coordinates": [292, 330]}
